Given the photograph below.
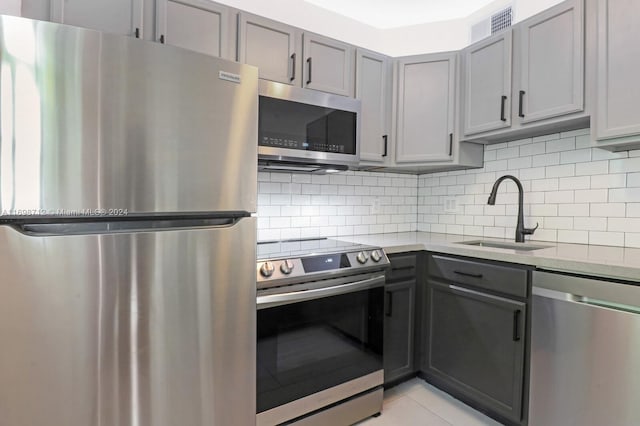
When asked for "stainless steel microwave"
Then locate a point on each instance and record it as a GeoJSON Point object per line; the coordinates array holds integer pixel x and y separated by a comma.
{"type": "Point", "coordinates": [306, 130]}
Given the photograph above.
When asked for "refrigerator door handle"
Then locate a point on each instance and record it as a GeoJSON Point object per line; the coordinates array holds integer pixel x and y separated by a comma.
{"type": "Point", "coordinates": [116, 226]}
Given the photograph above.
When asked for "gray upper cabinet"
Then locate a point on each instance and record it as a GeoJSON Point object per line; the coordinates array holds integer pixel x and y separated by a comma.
{"type": "Point", "coordinates": [113, 16]}
{"type": "Point", "coordinates": [617, 121]}
{"type": "Point", "coordinates": [487, 84]}
{"type": "Point", "coordinates": [197, 25]}
{"type": "Point", "coordinates": [328, 65]}
{"type": "Point", "coordinates": [551, 81]}
{"type": "Point", "coordinates": [271, 46]}
{"type": "Point", "coordinates": [373, 81]}
{"type": "Point", "coordinates": [425, 108]}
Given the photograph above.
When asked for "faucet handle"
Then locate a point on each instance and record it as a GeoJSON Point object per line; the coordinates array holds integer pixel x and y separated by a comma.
{"type": "Point", "coordinates": [530, 231]}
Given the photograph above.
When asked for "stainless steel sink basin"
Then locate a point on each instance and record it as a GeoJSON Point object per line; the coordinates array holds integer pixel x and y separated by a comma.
{"type": "Point", "coordinates": [504, 245]}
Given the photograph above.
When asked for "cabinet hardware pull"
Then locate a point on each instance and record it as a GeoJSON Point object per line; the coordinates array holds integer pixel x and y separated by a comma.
{"type": "Point", "coordinates": [468, 274]}
{"type": "Point", "coordinates": [450, 144]}
{"type": "Point", "coordinates": [293, 67]}
{"type": "Point", "coordinates": [516, 325]}
{"type": "Point", "coordinates": [384, 138]}
{"type": "Point", "coordinates": [137, 32]}
{"type": "Point", "coordinates": [388, 309]}
{"type": "Point", "coordinates": [162, 38]}
{"type": "Point", "coordinates": [309, 62]}
{"type": "Point", "coordinates": [502, 106]}
{"type": "Point", "coordinates": [520, 104]}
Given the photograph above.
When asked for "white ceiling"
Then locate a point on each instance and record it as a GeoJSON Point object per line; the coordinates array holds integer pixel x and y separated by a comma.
{"type": "Point", "coordinates": [385, 14]}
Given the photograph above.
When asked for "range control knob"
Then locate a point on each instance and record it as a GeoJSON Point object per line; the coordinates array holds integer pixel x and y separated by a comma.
{"type": "Point", "coordinates": [376, 256]}
{"type": "Point", "coordinates": [362, 257]}
{"type": "Point", "coordinates": [286, 267]}
{"type": "Point", "coordinates": [266, 270]}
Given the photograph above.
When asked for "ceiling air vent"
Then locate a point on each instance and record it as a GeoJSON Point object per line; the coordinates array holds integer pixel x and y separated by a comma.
{"type": "Point", "coordinates": [501, 20]}
{"type": "Point", "coordinates": [492, 24]}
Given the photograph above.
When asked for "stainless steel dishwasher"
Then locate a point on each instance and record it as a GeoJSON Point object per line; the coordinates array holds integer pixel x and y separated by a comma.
{"type": "Point", "coordinates": [585, 351]}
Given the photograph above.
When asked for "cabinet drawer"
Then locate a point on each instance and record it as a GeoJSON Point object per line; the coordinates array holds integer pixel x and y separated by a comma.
{"type": "Point", "coordinates": [503, 279]}
{"type": "Point", "coordinates": [403, 267]}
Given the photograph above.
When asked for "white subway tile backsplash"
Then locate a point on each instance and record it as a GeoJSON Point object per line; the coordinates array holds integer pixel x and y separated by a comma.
{"type": "Point", "coordinates": [606, 238]}
{"type": "Point", "coordinates": [560, 171]}
{"type": "Point", "coordinates": [591, 196]}
{"type": "Point", "coordinates": [546, 160]}
{"type": "Point", "coordinates": [577, 193]}
{"type": "Point", "coordinates": [590, 223]}
{"type": "Point", "coordinates": [633, 210]}
{"type": "Point", "coordinates": [624, 195]}
{"type": "Point", "coordinates": [608, 210]}
{"type": "Point", "coordinates": [624, 165]}
{"type": "Point", "coordinates": [592, 168]}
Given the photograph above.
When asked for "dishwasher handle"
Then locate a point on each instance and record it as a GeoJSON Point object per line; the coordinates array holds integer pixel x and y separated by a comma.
{"type": "Point", "coordinates": [279, 299]}
{"type": "Point", "coordinates": [596, 303]}
{"type": "Point", "coordinates": [593, 291]}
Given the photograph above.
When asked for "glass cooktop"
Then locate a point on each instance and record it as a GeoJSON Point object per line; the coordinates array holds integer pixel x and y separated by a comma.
{"type": "Point", "coordinates": [306, 247]}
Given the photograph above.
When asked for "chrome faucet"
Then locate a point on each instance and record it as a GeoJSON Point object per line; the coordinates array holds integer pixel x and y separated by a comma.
{"type": "Point", "coordinates": [521, 231]}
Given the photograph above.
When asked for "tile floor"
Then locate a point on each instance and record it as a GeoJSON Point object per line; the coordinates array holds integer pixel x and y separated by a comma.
{"type": "Point", "coordinates": [417, 403]}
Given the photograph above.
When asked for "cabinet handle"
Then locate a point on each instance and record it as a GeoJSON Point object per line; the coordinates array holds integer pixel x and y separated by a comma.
{"type": "Point", "coordinates": [502, 106]}
{"type": "Point", "coordinates": [293, 67]}
{"type": "Point", "coordinates": [162, 38]}
{"type": "Point", "coordinates": [137, 32]}
{"type": "Point", "coordinates": [388, 309]}
{"type": "Point", "coordinates": [516, 325]}
{"type": "Point", "coordinates": [468, 274]}
{"type": "Point", "coordinates": [384, 138]}
{"type": "Point", "coordinates": [450, 144]}
{"type": "Point", "coordinates": [520, 104]}
{"type": "Point", "coordinates": [309, 62]}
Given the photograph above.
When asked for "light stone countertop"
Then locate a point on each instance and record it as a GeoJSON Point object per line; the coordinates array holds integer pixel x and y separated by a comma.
{"type": "Point", "coordinates": [602, 261]}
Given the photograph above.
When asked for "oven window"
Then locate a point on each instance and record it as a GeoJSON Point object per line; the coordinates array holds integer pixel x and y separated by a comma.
{"type": "Point", "coordinates": [294, 125]}
{"type": "Point", "coordinates": [314, 345]}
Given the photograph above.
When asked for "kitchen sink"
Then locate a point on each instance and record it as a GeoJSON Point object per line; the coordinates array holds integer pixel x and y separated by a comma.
{"type": "Point", "coordinates": [504, 245]}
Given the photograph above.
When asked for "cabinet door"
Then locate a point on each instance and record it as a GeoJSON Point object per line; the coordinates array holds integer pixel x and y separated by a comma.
{"type": "Point", "coordinates": [197, 25]}
{"type": "Point", "coordinates": [618, 110]}
{"type": "Point", "coordinates": [426, 99]}
{"type": "Point", "coordinates": [328, 65]}
{"type": "Point", "coordinates": [552, 68]}
{"type": "Point", "coordinates": [271, 46]}
{"type": "Point", "coordinates": [111, 16]}
{"type": "Point", "coordinates": [398, 329]}
{"type": "Point", "coordinates": [372, 88]}
{"type": "Point", "coordinates": [487, 84]}
{"type": "Point", "coordinates": [475, 344]}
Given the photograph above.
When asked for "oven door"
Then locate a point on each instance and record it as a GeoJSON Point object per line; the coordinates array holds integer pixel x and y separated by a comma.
{"type": "Point", "coordinates": [312, 339]}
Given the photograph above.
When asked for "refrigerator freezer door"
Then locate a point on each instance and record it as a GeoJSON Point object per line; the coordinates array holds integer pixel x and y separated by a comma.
{"type": "Point", "coordinates": [139, 329]}
{"type": "Point", "coordinates": [99, 121]}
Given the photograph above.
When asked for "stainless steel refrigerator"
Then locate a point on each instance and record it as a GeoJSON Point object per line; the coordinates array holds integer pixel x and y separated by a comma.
{"type": "Point", "coordinates": [127, 249]}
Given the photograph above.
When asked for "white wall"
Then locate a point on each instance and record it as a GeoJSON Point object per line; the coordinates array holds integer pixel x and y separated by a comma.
{"type": "Point", "coordinates": [412, 40]}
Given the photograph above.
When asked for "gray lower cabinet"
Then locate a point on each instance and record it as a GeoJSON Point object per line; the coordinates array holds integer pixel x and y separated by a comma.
{"type": "Point", "coordinates": [401, 316]}
{"type": "Point", "coordinates": [475, 335]}
{"type": "Point", "coordinates": [399, 323]}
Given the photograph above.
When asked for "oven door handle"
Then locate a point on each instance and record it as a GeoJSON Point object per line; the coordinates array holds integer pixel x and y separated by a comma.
{"type": "Point", "coordinates": [272, 300]}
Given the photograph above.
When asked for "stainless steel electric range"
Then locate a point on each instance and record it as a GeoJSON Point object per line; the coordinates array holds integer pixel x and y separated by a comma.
{"type": "Point", "coordinates": [320, 331]}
